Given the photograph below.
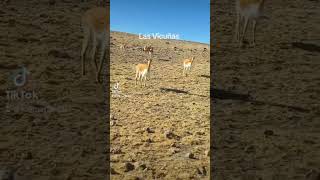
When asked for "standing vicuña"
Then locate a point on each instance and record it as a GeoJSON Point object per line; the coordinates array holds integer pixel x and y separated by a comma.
{"type": "Point", "coordinates": [187, 64]}
{"type": "Point", "coordinates": [247, 10]}
{"type": "Point", "coordinates": [142, 71]}
{"type": "Point", "coordinates": [123, 46]}
{"type": "Point", "coordinates": [148, 49]}
{"type": "Point", "coordinates": [96, 32]}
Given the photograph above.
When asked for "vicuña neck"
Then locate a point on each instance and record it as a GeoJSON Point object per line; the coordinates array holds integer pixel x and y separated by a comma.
{"type": "Point", "coordinates": [149, 63]}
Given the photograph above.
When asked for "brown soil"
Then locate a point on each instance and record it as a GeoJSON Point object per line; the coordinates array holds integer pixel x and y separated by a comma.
{"type": "Point", "coordinates": [266, 112]}
{"type": "Point", "coordinates": [155, 127]}
{"type": "Point", "coordinates": [69, 142]}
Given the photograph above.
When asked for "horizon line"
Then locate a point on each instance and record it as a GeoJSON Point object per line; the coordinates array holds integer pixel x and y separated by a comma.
{"type": "Point", "coordinates": [164, 39]}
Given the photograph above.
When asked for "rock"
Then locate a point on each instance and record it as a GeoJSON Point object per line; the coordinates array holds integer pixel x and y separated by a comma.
{"type": "Point", "coordinates": [149, 130]}
{"type": "Point", "coordinates": [6, 1]}
{"type": "Point", "coordinates": [58, 54]}
{"type": "Point", "coordinates": [268, 133]}
{"type": "Point", "coordinates": [164, 167]}
{"type": "Point", "coordinates": [171, 135]}
{"type": "Point", "coordinates": [174, 150]}
{"type": "Point", "coordinates": [52, 2]}
{"type": "Point", "coordinates": [200, 133]}
{"type": "Point", "coordinates": [190, 155]}
{"type": "Point", "coordinates": [116, 150]}
{"type": "Point", "coordinates": [140, 165]}
{"type": "Point", "coordinates": [174, 144]}
{"type": "Point", "coordinates": [250, 149]}
{"type": "Point", "coordinates": [168, 134]}
{"type": "Point", "coordinates": [128, 167]}
{"type": "Point", "coordinates": [143, 166]}
{"type": "Point", "coordinates": [43, 15]}
{"type": "Point", "coordinates": [132, 159]}
{"type": "Point", "coordinates": [309, 142]}
{"type": "Point", "coordinates": [161, 175]}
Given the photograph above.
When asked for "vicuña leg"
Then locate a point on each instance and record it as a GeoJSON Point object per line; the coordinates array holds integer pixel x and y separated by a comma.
{"type": "Point", "coordinates": [84, 49]}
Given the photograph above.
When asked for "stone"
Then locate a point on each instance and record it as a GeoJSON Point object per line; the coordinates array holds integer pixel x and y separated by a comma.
{"type": "Point", "coordinates": [128, 167]}
{"type": "Point", "coordinates": [190, 155]}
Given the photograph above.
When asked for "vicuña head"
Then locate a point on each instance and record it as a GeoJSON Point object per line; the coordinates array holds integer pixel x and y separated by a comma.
{"type": "Point", "coordinates": [96, 32]}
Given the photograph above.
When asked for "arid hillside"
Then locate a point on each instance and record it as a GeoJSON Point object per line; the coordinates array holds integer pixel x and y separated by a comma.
{"type": "Point", "coordinates": [60, 133]}
{"type": "Point", "coordinates": [160, 131]}
{"type": "Point", "coordinates": [265, 115]}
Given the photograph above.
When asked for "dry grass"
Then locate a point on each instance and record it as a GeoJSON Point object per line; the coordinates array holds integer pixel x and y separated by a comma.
{"type": "Point", "coordinates": [160, 107]}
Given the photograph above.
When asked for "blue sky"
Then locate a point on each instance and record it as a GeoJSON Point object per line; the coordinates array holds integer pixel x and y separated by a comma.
{"type": "Point", "coordinates": [188, 18]}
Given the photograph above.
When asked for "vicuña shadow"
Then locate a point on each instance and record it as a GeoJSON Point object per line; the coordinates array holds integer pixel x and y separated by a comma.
{"type": "Point", "coordinates": [178, 91]}
{"type": "Point", "coordinates": [227, 95]}
{"type": "Point", "coordinates": [306, 46]}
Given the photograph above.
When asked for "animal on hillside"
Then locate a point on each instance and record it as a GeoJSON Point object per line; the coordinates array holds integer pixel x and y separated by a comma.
{"type": "Point", "coordinates": [148, 49]}
{"type": "Point", "coordinates": [142, 71]}
{"type": "Point", "coordinates": [187, 65]}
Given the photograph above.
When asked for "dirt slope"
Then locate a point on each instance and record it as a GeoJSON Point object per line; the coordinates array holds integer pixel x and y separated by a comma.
{"type": "Point", "coordinates": [273, 132]}
{"type": "Point", "coordinates": [63, 134]}
{"type": "Point", "coordinates": [170, 114]}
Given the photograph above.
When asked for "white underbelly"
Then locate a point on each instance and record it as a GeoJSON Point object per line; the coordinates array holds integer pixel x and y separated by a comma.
{"type": "Point", "coordinates": [187, 66]}
{"type": "Point", "coordinates": [143, 73]}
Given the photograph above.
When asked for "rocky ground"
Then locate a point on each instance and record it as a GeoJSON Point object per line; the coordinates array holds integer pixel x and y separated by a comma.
{"type": "Point", "coordinates": [266, 111]}
{"type": "Point", "coordinates": [265, 115]}
{"type": "Point", "coordinates": [61, 132]}
{"type": "Point", "coordinates": [160, 131]}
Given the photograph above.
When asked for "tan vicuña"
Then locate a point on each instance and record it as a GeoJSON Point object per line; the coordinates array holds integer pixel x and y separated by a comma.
{"type": "Point", "coordinates": [187, 64]}
{"type": "Point", "coordinates": [247, 10]}
{"type": "Point", "coordinates": [95, 25]}
{"type": "Point", "coordinates": [142, 71]}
